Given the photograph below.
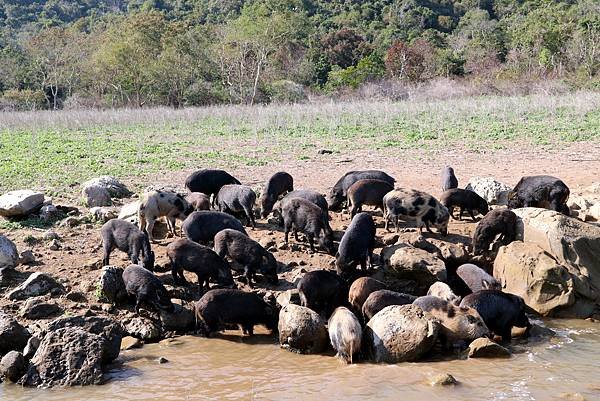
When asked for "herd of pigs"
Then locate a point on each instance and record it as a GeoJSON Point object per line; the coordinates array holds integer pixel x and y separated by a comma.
{"type": "Point", "coordinates": [348, 297]}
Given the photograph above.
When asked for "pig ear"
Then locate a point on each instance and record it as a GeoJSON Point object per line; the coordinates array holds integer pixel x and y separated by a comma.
{"type": "Point", "coordinates": [485, 285]}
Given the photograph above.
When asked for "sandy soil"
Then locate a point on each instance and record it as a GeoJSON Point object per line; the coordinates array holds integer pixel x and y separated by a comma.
{"type": "Point", "coordinates": [77, 264]}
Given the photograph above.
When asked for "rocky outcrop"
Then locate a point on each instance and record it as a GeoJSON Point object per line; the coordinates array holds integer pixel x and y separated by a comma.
{"type": "Point", "coordinates": [110, 330]}
{"type": "Point", "coordinates": [68, 356]}
{"type": "Point", "coordinates": [36, 284]}
{"type": "Point", "coordinates": [526, 270]}
{"type": "Point", "coordinates": [13, 336]}
{"type": "Point", "coordinates": [586, 205]}
{"type": "Point", "coordinates": [9, 256]}
{"type": "Point", "coordinates": [103, 214]}
{"type": "Point", "coordinates": [20, 203]}
{"type": "Point", "coordinates": [411, 270]}
{"type": "Point", "coordinates": [573, 244]}
{"type": "Point", "coordinates": [302, 330]}
{"type": "Point", "coordinates": [493, 191]}
{"type": "Point", "coordinates": [400, 333]}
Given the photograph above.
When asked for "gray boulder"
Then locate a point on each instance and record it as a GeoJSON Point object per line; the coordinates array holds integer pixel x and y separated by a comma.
{"type": "Point", "coordinates": [20, 203]}
{"type": "Point", "coordinates": [36, 284]}
{"type": "Point", "coordinates": [110, 330]}
{"type": "Point", "coordinates": [302, 330]}
{"type": "Point", "coordinates": [9, 256]}
{"type": "Point", "coordinates": [129, 212]}
{"type": "Point", "coordinates": [144, 329]}
{"type": "Point", "coordinates": [494, 192]}
{"type": "Point", "coordinates": [411, 270]}
{"type": "Point", "coordinates": [68, 356]}
{"type": "Point", "coordinates": [35, 308]}
{"type": "Point", "coordinates": [95, 195]}
{"type": "Point", "coordinates": [49, 213]}
{"type": "Point", "coordinates": [114, 187]}
{"type": "Point", "coordinates": [181, 319]}
{"type": "Point", "coordinates": [573, 244]}
{"type": "Point", "coordinates": [400, 333]}
{"type": "Point", "coordinates": [13, 336]}
{"type": "Point", "coordinates": [13, 366]}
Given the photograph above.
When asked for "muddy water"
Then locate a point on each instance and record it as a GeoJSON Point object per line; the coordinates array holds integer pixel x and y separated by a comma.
{"type": "Point", "coordinates": [235, 368]}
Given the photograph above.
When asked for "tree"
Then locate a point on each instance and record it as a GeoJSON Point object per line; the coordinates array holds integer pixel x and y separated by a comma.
{"type": "Point", "coordinates": [55, 56]}
{"type": "Point", "coordinates": [344, 47]}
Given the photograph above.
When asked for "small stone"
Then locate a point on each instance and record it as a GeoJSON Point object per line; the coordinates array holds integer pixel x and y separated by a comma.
{"type": "Point", "coordinates": [302, 263]}
{"type": "Point", "coordinates": [27, 257]}
{"type": "Point", "coordinates": [36, 308]}
{"type": "Point", "coordinates": [390, 239]}
{"type": "Point", "coordinates": [443, 379]}
{"type": "Point", "coordinates": [50, 235]}
{"type": "Point", "coordinates": [76, 296]}
{"type": "Point", "coordinates": [70, 222]}
{"type": "Point", "coordinates": [295, 248]}
{"type": "Point", "coordinates": [486, 348]}
{"type": "Point", "coordinates": [267, 242]}
{"type": "Point", "coordinates": [292, 264]}
{"type": "Point", "coordinates": [325, 152]}
{"type": "Point", "coordinates": [54, 245]}
{"type": "Point", "coordinates": [129, 342]}
{"type": "Point", "coordinates": [283, 246]}
{"type": "Point", "coordinates": [162, 360]}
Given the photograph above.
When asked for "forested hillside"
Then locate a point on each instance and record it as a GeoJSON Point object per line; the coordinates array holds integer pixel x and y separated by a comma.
{"type": "Point", "coordinates": [60, 53]}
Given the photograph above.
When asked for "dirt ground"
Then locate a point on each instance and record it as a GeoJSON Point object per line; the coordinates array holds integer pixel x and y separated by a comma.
{"type": "Point", "coordinates": [77, 264]}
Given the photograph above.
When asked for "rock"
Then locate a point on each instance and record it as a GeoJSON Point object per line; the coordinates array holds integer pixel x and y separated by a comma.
{"type": "Point", "coordinates": [68, 356]}
{"type": "Point", "coordinates": [486, 348]}
{"type": "Point", "coordinates": [129, 342]}
{"type": "Point", "coordinates": [112, 286]}
{"type": "Point", "coordinates": [586, 205]}
{"type": "Point", "coordinates": [528, 271]}
{"type": "Point", "coordinates": [50, 235]}
{"type": "Point", "coordinates": [540, 331]}
{"type": "Point", "coordinates": [162, 360]}
{"type": "Point", "coordinates": [289, 296]}
{"type": "Point", "coordinates": [390, 239]}
{"type": "Point", "coordinates": [103, 214]}
{"type": "Point", "coordinates": [27, 257]}
{"type": "Point", "coordinates": [77, 296]}
{"type": "Point", "coordinates": [113, 186]}
{"type": "Point", "coordinates": [13, 366]}
{"type": "Point", "coordinates": [144, 329]}
{"type": "Point", "coordinates": [181, 319]}
{"type": "Point", "coordinates": [36, 308]}
{"type": "Point", "coordinates": [282, 246]}
{"type": "Point", "coordinates": [494, 192]}
{"type": "Point", "coordinates": [71, 222]}
{"type": "Point", "coordinates": [325, 152]}
{"type": "Point", "coordinates": [302, 330]}
{"type": "Point", "coordinates": [110, 330]}
{"type": "Point", "coordinates": [54, 245]}
{"type": "Point", "coordinates": [9, 256]}
{"type": "Point", "coordinates": [443, 379]}
{"type": "Point", "coordinates": [410, 269]}
{"type": "Point", "coordinates": [95, 195]}
{"type": "Point", "coordinates": [400, 333]}
{"type": "Point", "coordinates": [49, 213]}
{"type": "Point", "coordinates": [32, 345]}
{"type": "Point", "coordinates": [267, 242]}
{"type": "Point", "coordinates": [13, 336]}
{"type": "Point", "coordinates": [573, 244]}
{"type": "Point", "coordinates": [129, 212]}
{"type": "Point", "coordinates": [36, 284]}
{"type": "Point", "coordinates": [20, 203]}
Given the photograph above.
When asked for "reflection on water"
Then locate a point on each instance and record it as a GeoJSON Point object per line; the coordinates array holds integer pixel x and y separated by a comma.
{"type": "Point", "coordinates": [240, 368]}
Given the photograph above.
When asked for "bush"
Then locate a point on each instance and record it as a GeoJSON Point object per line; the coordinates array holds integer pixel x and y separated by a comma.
{"type": "Point", "coordinates": [26, 99]}
{"type": "Point", "coordinates": [368, 69]}
{"type": "Point", "coordinates": [286, 91]}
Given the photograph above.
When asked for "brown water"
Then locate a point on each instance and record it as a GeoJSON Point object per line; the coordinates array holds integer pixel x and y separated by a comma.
{"type": "Point", "coordinates": [235, 368]}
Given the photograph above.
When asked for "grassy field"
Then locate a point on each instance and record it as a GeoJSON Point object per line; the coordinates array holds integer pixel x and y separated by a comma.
{"type": "Point", "coordinates": [57, 150]}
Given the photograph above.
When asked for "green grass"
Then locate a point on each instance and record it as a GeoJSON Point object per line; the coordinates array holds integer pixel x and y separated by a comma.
{"type": "Point", "coordinates": [57, 151]}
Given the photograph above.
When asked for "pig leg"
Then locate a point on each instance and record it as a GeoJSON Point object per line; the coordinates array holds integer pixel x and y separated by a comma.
{"type": "Point", "coordinates": [311, 242]}
{"type": "Point", "coordinates": [250, 216]}
{"type": "Point", "coordinates": [460, 213]}
{"type": "Point", "coordinates": [396, 218]}
{"type": "Point", "coordinates": [106, 256]}
{"type": "Point", "coordinates": [150, 228]}
{"type": "Point", "coordinates": [427, 227]}
{"type": "Point", "coordinates": [248, 273]}
{"type": "Point", "coordinates": [287, 226]}
{"type": "Point", "coordinates": [472, 215]}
